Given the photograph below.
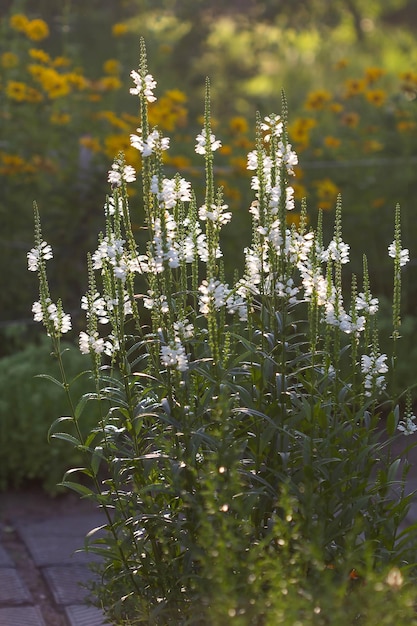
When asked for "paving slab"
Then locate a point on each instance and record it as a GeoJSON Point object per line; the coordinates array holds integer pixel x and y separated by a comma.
{"type": "Point", "coordinates": [56, 541]}
{"type": "Point", "coordinates": [68, 583]}
{"type": "Point", "coordinates": [80, 615]}
{"type": "Point", "coordinates": [21, 616]}
{"type": "Point", "coordinates": [12, 588]}
{"type": "Point", "coordinates": [5, 560]}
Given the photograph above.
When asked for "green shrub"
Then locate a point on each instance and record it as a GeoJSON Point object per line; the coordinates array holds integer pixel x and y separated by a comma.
{"type": "Point", "coordinates": [28, 406]}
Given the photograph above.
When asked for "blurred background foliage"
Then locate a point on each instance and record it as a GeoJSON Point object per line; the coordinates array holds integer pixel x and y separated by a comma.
{"type": "Point", "coordinates": [349, 72]}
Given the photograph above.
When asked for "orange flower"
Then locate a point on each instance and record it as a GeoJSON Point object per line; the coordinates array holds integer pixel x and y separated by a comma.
{"type": "Point", "coordinates": [354, 86]}
{"type": "Point", "coordinates": [376, 96]}
{"type": "Point", "coordinates": [19, 22]}
{"type": "Point", "coordinates": [331, 142]}
{"type": "Point", "coordinates": [37, 30]}
{"type": "Point", "coordinates": [350, 119]}
{"type": "Point", "coordinates": [239, 125]}
{"type": "Point", "coordinates": [16, 90]}
{"type": "Point", "coordinates": [8, 60]}
{"type": "Point", "coordinates": [405, 125]}
{"type": "Point", "coordinates": [317, 100]}
{"type": "Point", "coordinates": [39, 55]}
{"type": "Point", "coordinates": [327, 193]}
{"type": "Point", "coordinates": [91, 143]}
{"type": "Point", "coordinates": [119, 29]}
{"type": "Point", "coordinates": [372, 74]}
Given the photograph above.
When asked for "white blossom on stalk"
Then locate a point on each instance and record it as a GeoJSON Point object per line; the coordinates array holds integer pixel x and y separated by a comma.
{"type": "Point", "coordinates": [120, 173]}
{"type": "Point", "coordinates": [201, 145]}
{"type": "Point", "coordinates": [273, 126]}
{"type": "Point", "coordinates": [287, 156]}
{"type": "Point", "coordinates": [111, 345]}
{"type": "Point", "coordinates": [403, 255]}
{"type": "Point", "coordinates": [183, 329]}
{"type": "Point", "coordinates": [144, 85]}
{"type": "Point", "coordinates": [110, 206]}
{"type": "Point", "coordinates": [216, 214]}
{"type": "Point", "coordinates": [337, 251]}
{"type": "Point", "coordinates": [367, 304]}
{"type": "Point", "coordinates": [61, 321]}
{"type": "Point", "coordinates": [42, 252]}
{"type": "Point", "coordinates": [174, 355]}
{"type": "Point", "coordinates": [97, 307]}
{"type": "Point", "coordinates": [171, 190]}
{"type": "Point", "coordinates": [152, 301]}
{"type": "Point", "coordinates": [213, 295]}
{"type": "Point", "coordinates": [407, 426]}
{"type": "Point", "coordinates": [149, 145]}
{"type": "Point", "coordinates": [90, 343]}
{"type": "Point", "coordinates": [374, 367]}
{"type": "Point", "coordinates": [110, 250]}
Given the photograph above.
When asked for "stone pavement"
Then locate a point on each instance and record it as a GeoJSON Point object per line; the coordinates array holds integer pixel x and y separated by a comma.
{"type": "Point", "coordinates": [59, 598]}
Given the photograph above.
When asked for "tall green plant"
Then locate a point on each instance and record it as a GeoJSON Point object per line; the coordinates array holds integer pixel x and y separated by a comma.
{"type": "Point", "coordinates": [238, 457]}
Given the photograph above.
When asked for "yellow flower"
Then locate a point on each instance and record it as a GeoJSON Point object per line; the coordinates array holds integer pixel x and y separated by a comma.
{"type": "Point", "coordinates": [16, 90]}
{"type": "Point", "coordinates": [91, 143]}
{"type": "Point", "coordinates": [300, 191]}
{"type": "Point", "coordinates": [9, 59]}
{"type": "Point", "coordinates": [33, 95]}
{"type": "Point", "coordinates": [239, 164]}
{"type": "Point", "coordinates": [341, 64]}
{"type": "Point", "coordinates": [239, 125]}
{"type": "Point", "coordinates": [372, 145]}
{"type": "Point", "coordinates": [226, 150]}
{"type": "Point", "coordinates": [113, 120]}
{"type": "Point", "coordinates": [317, 100]}
{"type": "Point", "coordinates": [77, 80]}
{"type": "Point", "coordinates": [354, 86]}
{"type": "Point", "coordinates": [37, 30]}
{"type": "Point", "coordinates": [376, 96]}
{"type": "Point", "coordinates": [56, 85]}
{"type": "Point", "coordinates": [336, 107]}
{"type": "Point", "coordinates": [39, 55]}
{"type": "Point", "coordinates": [327, 193]}
{"type": "Point", "coordinates": [179, 162]}
{"type": "Point", "coordinates": [119, 29]}
{"type": "Point", "coordinates": [299, 131]}
{"type": "Point", "coordinates": [350, 119]}
{"type": "Point", "coordinates": [108, 83]}
{"type": "Point", "coordinates": [331, 142]}
{"type": "Point", "coordinates": [372, 74]}
{"type": "Point", "coordinates": [19, 22]}
{"type": "Point", "coordinates": [111, 66]}
{"type": "Point", "coordinates": [405, 125]}
{"type": "Point", "coordinates": [61, 62]}
{"type": "Point", "coordinates": [293, 218]}
{"type": "Point", "coordinates": [60, 119]}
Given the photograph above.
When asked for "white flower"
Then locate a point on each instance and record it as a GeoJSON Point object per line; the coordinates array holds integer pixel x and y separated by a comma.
{"type": "Point", "coordinates": [174, 355]}
{"type": "Point", "coordinates": [119, 173]}
{"type": "Point", "coordinates": [287, 156]}
{"type": "Point", "coordinates": [337, 251]}
{"type": "Point", "coordinates": [184, 329]}
{"type": "Point", "coordinates": [217, 214]}
{"type": "Point", "coordinates": [273, 126]}
{"type": "Point", "coordinates": [110, 206]}
{"type": "Point", "coordinates": [149, 146]}
{"type": "Point", "coordinates": [213, 295]}
{"type": "Point", "coordinates": [43, 251]}
{"type": "Point", "coordinates": [374, 367]}
{"type": "Point", "coordinates": [90, 343]}
{"type": "Point", "coordinates": [144, 85]}
{"type": "Point", "coordinates": [367, 304]}
{"type": "Point", "coordinates": [171, 191]}
{"type": "Point", "coordinates": [202, 142]}
{"type": "Point", "coordinates": [404, 254]}
{"type": "Point", "coordinates": [97, 307]}
{"type": "Point", "coordinates": [407, 426]}
{"type": "Point", "coordinates": [37, 312]}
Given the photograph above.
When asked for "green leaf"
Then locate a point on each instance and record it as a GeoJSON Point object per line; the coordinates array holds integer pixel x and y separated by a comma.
{"type": "Point", "coordinates": [80, 489]}
{"type": "Point", "coordinates": [51, 379]}
{"type": "Point", "coordinates": [67, 437]}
